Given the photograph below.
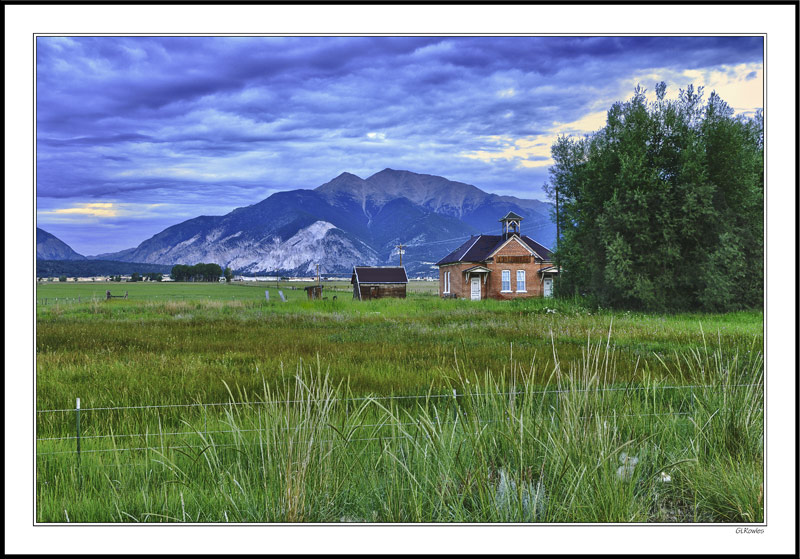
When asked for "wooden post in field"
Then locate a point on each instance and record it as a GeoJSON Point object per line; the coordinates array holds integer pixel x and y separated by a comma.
{"type": "Point", "coordinates": [78, 438]}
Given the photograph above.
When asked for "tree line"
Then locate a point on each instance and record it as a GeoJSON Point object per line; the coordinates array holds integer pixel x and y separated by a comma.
{"type": "Point", "coordinates": [200, 272]}
{"type": "Point", "coordinates": [662, 209]}
{"type": "Point", "coordinates": [86, 268]}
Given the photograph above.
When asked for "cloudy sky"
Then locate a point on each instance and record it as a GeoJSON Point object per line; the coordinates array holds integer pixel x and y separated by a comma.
{"type": "Point", "coordinates": [138, 133]}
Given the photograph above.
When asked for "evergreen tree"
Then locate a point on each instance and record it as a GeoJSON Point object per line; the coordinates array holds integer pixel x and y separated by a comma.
{"type": "Point", "coordinates": [663, 207]}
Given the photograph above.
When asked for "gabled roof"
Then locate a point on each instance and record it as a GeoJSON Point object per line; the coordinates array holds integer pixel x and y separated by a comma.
{"type": "Point", "coordinates": [511, 215]}
{"type": "Point", "coordinates": [538, 248]}
{"type": "Point", "coordinates": [478, 249]}
{"type": "Point", "coordinates": [477, 270]}
{"type": "Point", "coordinates": [512, 239]}
{"type": "Point", "coordinates": [379, 274]}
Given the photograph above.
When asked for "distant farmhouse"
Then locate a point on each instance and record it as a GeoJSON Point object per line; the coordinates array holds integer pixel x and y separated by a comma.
{"type": "Point", "coordinates": [375, 282]}
{"type": "Point", "coordinates": [503, 266]}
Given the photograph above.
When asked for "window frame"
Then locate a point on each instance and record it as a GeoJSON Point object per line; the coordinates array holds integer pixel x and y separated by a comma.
{"type": "Point", "coordinates": [503, 281]}
{"type": "Point", "coordinates": [524, 282]}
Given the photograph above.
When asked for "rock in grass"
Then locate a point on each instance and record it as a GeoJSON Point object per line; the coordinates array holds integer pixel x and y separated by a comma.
{"type": "Point", "coordinates": [508, 499]}
{"type": "Point", "coordinates": [625, 472]}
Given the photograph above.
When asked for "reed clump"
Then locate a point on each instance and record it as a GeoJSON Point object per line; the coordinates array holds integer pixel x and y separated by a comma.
{"type": "Point", "coordinates": [562, 441]}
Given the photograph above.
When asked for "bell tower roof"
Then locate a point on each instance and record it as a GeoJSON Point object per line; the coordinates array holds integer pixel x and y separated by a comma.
{"type": "Point", "coordinates": [511, 224]}
{"type": "Point", "coordinates": [511, 216]}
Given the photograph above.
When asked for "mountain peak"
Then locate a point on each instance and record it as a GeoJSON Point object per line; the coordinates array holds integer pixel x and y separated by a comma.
{"type": "Point", "coordinates": [346, 175]}
{"type": "Point", "coordinates": [50, 247]}
{"type": "Point", "coordinates": [392, 172]}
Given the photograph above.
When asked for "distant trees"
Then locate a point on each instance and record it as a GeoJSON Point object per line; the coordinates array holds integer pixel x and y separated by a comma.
{"type": "Point", "coordinates": [91, 268]}
{"type": "Point", "coordinates": [152, 276]}
{"type": "Point", "coordinates": [228, 274]}
{"type": "Point", "coordinates": [198, 272]}
{"type": "Point", "coordinates": [663, 208]}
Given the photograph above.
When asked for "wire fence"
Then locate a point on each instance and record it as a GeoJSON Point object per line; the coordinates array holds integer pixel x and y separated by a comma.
{"type": "Point", "coordinates": [408, 397]}
{"type": "Point", "coordinates": [676, 401]}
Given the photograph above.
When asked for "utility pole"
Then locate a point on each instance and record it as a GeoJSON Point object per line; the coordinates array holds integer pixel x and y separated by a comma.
{"type": "Point", "coordinates": [319, 281]}
{"type": "Point", "coordinates": [400, 251]}
{"type": "Point", "coordinates": [557, 228]}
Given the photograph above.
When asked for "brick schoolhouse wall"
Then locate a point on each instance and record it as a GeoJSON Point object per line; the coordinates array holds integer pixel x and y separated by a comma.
{"type": "Point", "coordinates": [493, 287]}
{"type": "Point", "coordinates": [533, 283]}
{"type": "Point", "coordinates": [458, 287]}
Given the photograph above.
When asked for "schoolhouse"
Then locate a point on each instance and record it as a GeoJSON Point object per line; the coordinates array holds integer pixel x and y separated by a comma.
{"type": "Point", "coordinates": [504, 266]}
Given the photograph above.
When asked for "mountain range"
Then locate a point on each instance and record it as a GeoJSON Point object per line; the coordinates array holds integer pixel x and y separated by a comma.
{"type": "Point", "coordinates": [345, 222]}
{"type": "Point", "coordinates": [50, 247]}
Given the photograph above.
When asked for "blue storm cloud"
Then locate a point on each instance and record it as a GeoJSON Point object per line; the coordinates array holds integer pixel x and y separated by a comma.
{"type": "Point", "coordinates": [207, 124]}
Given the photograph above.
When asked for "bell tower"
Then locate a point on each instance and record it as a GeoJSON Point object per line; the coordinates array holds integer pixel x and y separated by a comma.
{"type": "Point", "coordinates": [511, 224]}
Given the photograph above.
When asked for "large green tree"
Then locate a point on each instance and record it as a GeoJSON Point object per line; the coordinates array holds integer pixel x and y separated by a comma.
{"type": "Point", "coordinates": [663, 207]}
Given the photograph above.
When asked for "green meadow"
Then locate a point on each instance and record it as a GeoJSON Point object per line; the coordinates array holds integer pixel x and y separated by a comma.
{"type": "Point", "coordinates": [414, 410]}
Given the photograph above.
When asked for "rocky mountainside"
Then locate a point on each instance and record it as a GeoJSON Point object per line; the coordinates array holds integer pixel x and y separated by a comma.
{"type": "Point", "coordinates": [344, 222]}
{"type": "Point", "coordinates": [50, 247]}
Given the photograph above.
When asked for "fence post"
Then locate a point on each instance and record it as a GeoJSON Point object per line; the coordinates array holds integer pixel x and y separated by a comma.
{"type": "Point", "coordinates": [78, 438]}
{"type": "Point", "coordinates": [455, 406]}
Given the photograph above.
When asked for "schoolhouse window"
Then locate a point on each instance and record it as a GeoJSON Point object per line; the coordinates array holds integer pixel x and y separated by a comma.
{"type": "Point", "coordinates": [506, 280]}
{"type": "Point", "coordinates": [447, 282]}
{"type": "Point", "coordinates": [521, 280]}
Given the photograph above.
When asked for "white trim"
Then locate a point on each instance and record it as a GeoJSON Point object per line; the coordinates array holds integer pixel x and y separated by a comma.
{"type": "Point", "coordinates": [470, 248]}
{"type": "Point", "coordinates": [502, 281]}
{"type": "Point", "coordinates": [483, 270]}
{"type": "Point", "coordinates": [524, 282]}
{"type": "Point", "coordinates": [520, 241]}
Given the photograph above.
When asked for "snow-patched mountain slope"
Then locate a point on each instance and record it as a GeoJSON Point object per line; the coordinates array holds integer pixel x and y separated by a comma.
{"type": "Point", "coordinates": [318, 243]}
{"type": "Point", "coordinates": [346, 221]}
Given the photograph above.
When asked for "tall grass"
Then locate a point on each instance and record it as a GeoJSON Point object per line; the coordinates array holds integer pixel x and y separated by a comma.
{"type": "Point", "coordinates": [566, 441]}
{"type": "Point", "coordinates": [166, 351]}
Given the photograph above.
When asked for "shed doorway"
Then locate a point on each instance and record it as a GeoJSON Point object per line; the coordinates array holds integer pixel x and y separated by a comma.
{"type": "Point", "coordinates": [475, 289]}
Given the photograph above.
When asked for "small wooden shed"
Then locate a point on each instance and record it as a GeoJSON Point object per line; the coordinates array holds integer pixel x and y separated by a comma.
{"type": "Point", "coordinates": [375, 282]}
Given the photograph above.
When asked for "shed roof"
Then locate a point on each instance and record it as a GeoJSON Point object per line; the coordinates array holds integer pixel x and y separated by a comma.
{"type": "Point", "coordinates": [478, 249]}
{"type": "Point", "coordinates": [379, 274]}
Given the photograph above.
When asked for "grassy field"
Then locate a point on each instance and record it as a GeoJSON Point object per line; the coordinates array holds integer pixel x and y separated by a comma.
{"type": "Point", "coordinates": [551, 397]}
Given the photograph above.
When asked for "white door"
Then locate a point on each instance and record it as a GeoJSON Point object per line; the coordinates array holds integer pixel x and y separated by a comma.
{"type": "Point", "coordinates": [548, 287]}
{"type": "Point", "coordinates": [475, 292]}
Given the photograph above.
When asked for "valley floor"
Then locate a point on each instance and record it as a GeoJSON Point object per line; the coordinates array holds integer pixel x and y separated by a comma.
{"type": "Point", "coordinates": [549, 395]}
